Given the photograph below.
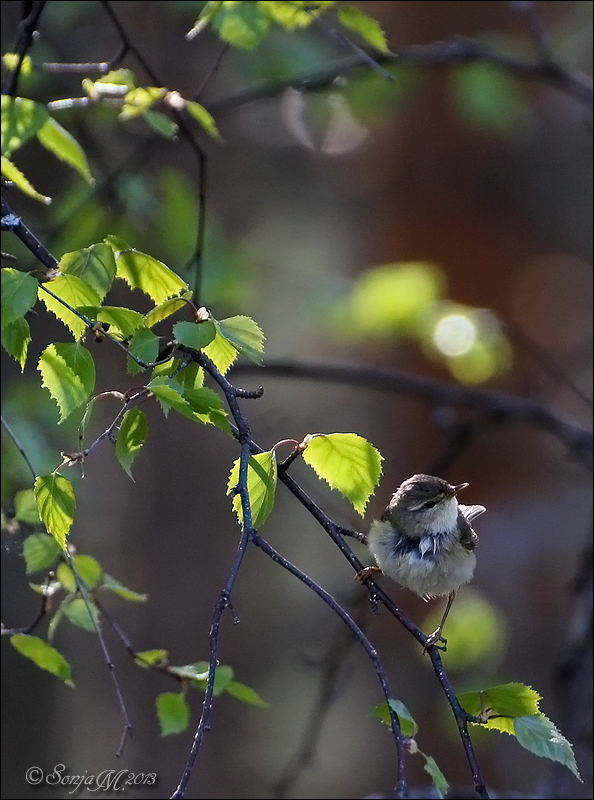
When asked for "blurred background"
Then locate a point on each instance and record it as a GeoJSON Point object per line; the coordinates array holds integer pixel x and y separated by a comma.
{"type": "Point", "coordinates": [437, 224]}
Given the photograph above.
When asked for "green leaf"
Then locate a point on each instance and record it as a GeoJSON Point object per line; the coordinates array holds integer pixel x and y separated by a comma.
{"type": "Point", "coordinates": [221, 352]}
{"type": "Point", "coordinates": [77, 612]}
{"type": "Point", "coordinates": [65, 147]}
{"type": "Point", "coordinates": [40, 550]}
{"type": "Point", "coordinates": [207, 407]}
{"type": "Point", "coordinates": [109, 582]}
{"type": "Point", "coordinates": [147, 658]}
{"type": "Point", "coordinates": [199, 405]}
{"type": "Point", "coordinates": [199, 673]}
{"type": "Point", "coordinates": [67, 578]}
{"type": "Point", "coordinates": [173, 713]}
{"type": "Point", "coordinates": [141, 271]}
{"type": "Point", "coordinates": [407, 724]}
{"type": "Point", "coordinates": [507, 700]}
{"type": "Point", "coordinates": [164, 310]}
{"type": "Point", "coordinates": [244, 334]}
{"type": "Point", "coordinates": [161, 123]}
{"type": "Point", "coordinates": [94, 265]}
{"type": "Point", "coordinates": [261, 485]}
{"type": "Point", "coordinates": [487, 98]}
{"type": "Point", "coordinates": [347, 462]}
{"type": "Point", "coordinates": [203, 118]}
{"type": "Point", "coordinates": [25, 507]}
{"type": "Point", "coordinates": [191, 376]}
{"type": "Point", "coordinates": [21, 119]}
{"type": "Point", "coordinates": [19, 293]}
{"type": "Point", "coordinates": [12, 173]}
{"type": "Point", "coordinates": [122, 77]}
{"type": "Point", "coordinates": [15, 340]}
{"type": "Point", "coordinates": [293, 15]}
{"type": "Point", "coordinates": [437, 776]}
{"type": "Point", "coordinates": [539, 735]}
{"type": "Point", "coordinates": [365, 26]}
{"type": "Point", "coordinates": [241, 24]}
{"type": "Point", "coordinates": [125, 321]}
{"type": "Point", "coordinates": [145, 345]}
{"type": "Point", "coordinates": [138, 100]}
{"type": "Point", "coordinates": [246, 695]}
{"type": "Point", "coordinates": [43, 655]}
{"type": "Point", "coordinates": [205, 16]}
{"type": "Point", "coordinates": [56, 504]}
{"type": "Point", "coordinates": [131, 437]}
{"type": "Point", "coordinates": [68, 372]}
{"type": "Point", "coordinates": [75, 292]}
{"type": "Point", "coordinates": [89, 570]}
{"type": "Point", "coordinates": [194, 334]}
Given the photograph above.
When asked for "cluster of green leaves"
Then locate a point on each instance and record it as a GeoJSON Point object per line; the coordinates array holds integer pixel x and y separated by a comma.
{"type": "Point", "coordinates": [246, 24]}
{"type": "Point", "coordinates": [511, 708]}
{"type": "Point", "coordinates": [42, 552]}
{"type": "Point", "coordinates": [22, 119]}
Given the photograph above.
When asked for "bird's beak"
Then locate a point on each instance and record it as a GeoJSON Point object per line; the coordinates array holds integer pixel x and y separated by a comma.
{"type": "Point", "coordinates": [455, 489]}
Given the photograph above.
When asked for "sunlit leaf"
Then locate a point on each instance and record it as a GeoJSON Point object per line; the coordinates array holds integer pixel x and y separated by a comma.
{"type": "Point", "coordinates": [347, 462]}
{"type": "Point", "coordinates": [141, 271]}
{"type": "Point", "coordinates": [507, 700]}
{"type": "Point", "coordinates": [21, 119]}
{"type": "Point", "coordinates": [75, 292]}
{"type": "Point", "coordinates": [25, 507]}
{"type": "Point", "coordinates": [89, 570]}
{"type": "Point", "coordinates": [147, 658]}
{"type": "Point", "coordinates": [365, 26]}
{"type": "Point", "coordinates": [140, 99]}
{"type": "Point", "coordinates": [203, 118]}
{"type": "Point", "coordinates": [12, 173]}
{"type": "Point", "coordinates": [261, 486]}
{"type": "Point", "coordinates": [122, 321]}
{"type": "Point", "coordinates": [245, 334]}
{"type": "Point", "coordinates": [221, 352]}
{"type": "Point", "coordinates": [131, 437]}
{"type": "Point", "coordinates": [63, 145]}
{"type": "Point", "coordinates": [164, 310]}
{"type": "Point", "coordinates": [94, 265]}
{"type": "Point", "coordinates": [43, 655]}
{"type": "Point", "coordinates": [56, 504]}
{"type": "Point", "coordinates": [173, 713]}
{"type": "Point", "coordinates": [11, 62]}
{"type": "Point", "coordinates": [68, 372]}
{"type": "Point", "coordinates": [293, 15]}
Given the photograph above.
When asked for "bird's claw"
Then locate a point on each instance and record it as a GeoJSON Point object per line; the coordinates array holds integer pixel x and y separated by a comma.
{"type": "Point", "coordinates": [366, 573]}
{"type": "Point", "coordinates": [433, 639]}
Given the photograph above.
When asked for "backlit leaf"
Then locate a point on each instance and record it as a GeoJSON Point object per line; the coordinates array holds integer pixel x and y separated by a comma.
{"type": "Point", "coordinates": [12, 173]}
{"type": "Point", "coordinates": [347, 462]}
{"type": "Point", "coordinates": [365, 26]}
{"type": "Point", "coordinates": [94, 265]}
{"type": "Point", "coordinates": [203, 118]}
{"type": "Point", "coordinates": [63, 145]}
{"type": "Point", "coordinates": [245, 334]}
{"type": "Point", "coordinates": [21, 119]}
{"type": "Point", "coordinates": [141, 271]}
{"type": "Point", "coordinates": [75, 292]}
{"type": "Point", "coordinates": [131, 437]}
{"type": "Point", "coordinates": [56, 504]}
{"type": "Point", "coordinates": [261, 485]}
{"type": "Point", "coordinates": [43, 655]}
{"type": "Point", "coordinates": [68, 372]}
{"type": "Point", "coordinates": [221, 352]}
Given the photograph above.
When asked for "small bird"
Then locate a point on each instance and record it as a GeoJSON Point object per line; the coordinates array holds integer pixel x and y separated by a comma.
{"type": "Point", "coordinates": [425, 542]}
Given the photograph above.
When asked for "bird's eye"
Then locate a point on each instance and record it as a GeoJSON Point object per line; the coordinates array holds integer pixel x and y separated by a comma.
{"type": "Point", "coordinates": [430, 504]}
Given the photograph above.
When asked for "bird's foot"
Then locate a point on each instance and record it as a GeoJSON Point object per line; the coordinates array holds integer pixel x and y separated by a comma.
{"type": "Point", "coordinates": [366, 573]}
{"type": "Point", "coordinates": [433, 639]}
